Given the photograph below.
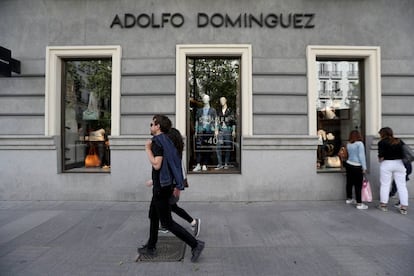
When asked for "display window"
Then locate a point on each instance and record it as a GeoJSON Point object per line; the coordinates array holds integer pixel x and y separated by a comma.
{"type": "Point", "coordinates": [339, 109]}
{"type": "Point", "coordinates": [86, 114]}
{"type": "Point", "coordinates": [213, 114]}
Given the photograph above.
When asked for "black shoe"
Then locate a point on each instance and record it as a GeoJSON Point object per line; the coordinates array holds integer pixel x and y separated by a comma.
{"type": "Point", "coordinates": [197, 227]}
{"type": "Point", "coordinates": [196, 251]}
{"type": "Point", "coordinates": [144, 250]}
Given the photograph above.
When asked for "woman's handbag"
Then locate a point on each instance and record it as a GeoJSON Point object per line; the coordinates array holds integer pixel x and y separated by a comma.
{"type": "Point", "coordinates": [92, 159]}
{"type": "Point", "coordinates": [366, 194]}
{"type": "Point", "coordinates": [343, 153]}
{"type": "Point", "coordinates": [333, 162]}
{"type": "Point", "coordinates": [408, 154]}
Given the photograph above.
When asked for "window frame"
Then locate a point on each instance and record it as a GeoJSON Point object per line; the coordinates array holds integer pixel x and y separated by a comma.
{"type": "Point", "coordinates": [371, 57]}
{"type": "Point", "coordinates": [244, 51]}
{"type": "Point", "coordinates": [54, 57]}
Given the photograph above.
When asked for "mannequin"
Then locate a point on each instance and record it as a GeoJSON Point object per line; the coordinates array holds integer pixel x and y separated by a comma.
{"type": "Point", "coordinates": [205, 124]}
{"type": "Point", "coordinates": [225, 132]}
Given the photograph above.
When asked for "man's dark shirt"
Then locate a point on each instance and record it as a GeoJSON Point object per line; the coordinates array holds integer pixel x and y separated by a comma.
{"type": "Point", "coordinates": [157, 151]}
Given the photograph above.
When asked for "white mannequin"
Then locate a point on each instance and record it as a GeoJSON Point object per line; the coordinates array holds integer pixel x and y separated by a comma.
{"type": "Point", "coordinates": [206, 102]}
{"type": "Point", "coordinates": [205, 124]}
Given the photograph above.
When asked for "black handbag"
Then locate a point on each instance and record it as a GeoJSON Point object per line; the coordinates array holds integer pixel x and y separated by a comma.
{"type": "Point", "coordinates": [408, 154]}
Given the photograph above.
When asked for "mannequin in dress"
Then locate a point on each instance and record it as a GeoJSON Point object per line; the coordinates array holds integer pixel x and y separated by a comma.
{"type": "Point", "coordinates": [205, 124]}
{"type": "Point", "coordinates": [225, 132]}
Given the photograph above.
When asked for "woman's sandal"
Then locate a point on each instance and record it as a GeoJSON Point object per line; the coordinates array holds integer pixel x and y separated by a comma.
{"type": "Point", "coordinates": [383, 207]}
{"type": "Point", "coordinates": [403, 211]}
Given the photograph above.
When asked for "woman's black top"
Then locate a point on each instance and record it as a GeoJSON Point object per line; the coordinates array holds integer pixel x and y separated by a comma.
{"type": "Point", "coordinates": [390, 151]}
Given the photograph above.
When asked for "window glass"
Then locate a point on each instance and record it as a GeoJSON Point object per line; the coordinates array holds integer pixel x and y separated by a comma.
{"type": "Point", "coordinates": [213, 113]}
{"type": "Point", "coordinates": [86, 114]}
{"type": "Point", "coordinates": [339, 109]}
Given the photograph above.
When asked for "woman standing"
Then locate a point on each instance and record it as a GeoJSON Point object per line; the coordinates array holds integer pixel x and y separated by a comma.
{"type": "Point", "coordinates": [390, 155]}
{"type": "Point", "coordinates": [355, 166]}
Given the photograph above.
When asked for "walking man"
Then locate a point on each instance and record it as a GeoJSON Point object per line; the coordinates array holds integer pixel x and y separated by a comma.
{"type": "Point", "coordinates": [167, 180]}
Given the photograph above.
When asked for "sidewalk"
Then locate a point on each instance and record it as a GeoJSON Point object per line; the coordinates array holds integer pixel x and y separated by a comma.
{"type": "Point", "coordinates": [260, 238]}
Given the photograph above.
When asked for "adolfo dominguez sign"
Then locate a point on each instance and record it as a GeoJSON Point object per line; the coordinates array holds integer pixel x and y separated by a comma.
{"type": "Point", "coordinates": [216, 20]}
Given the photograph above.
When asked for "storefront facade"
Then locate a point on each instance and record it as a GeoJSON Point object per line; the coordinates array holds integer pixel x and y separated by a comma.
{"type": "Point", "coordinates": [264, 93]}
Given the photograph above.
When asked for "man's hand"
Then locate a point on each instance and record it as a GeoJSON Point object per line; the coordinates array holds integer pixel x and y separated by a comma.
{"type": "Point", "coordinates": [148, 144]}
{"type": "Point", "coordinates": [176, 192]}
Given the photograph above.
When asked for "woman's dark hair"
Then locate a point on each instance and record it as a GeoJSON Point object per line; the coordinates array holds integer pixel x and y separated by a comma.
{"type": "Point", "coordinates": [175, 136]}
{"type": "Point", "coordinates": [387, 133]}
{"type": "Point", "coordinates": [354, 136]}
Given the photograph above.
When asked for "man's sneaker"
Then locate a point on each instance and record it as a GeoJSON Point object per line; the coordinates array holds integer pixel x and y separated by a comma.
{"type": "Point", "coordinates": [163, 230]}
{"type": "Point", "coordinates": [145, 251]}
{"type": "Point", "coordinates": [204, 168]}
{"type": "Point", "coordinates": [197, 168]}
{"type": "Point", "coordinates": [196, 227]}
{"type": "Point", "coordinates": [196, 251]}
{"type": "Point", "coordinates": [397, 205]}
{"type": "Point", "coordinates": [361, 206]}
{"type": "Point", "coordinates": [350, 201]}
{"type": "Point", "coordinates": [382, 208]}
{"type": "Point", "coordinates": [219, 167]}
{"type": "Point", "coordinates": [403, 211]}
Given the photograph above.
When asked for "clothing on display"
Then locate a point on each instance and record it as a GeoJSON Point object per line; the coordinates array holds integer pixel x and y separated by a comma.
{"type": "Point", "coordinates": [205, 125]}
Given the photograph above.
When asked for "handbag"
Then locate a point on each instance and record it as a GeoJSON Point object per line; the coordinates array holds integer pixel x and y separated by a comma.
{"type": "Point", "coordinates": [333, 162]}
{"type": "Point", "coordinates": [408, 154]}
{"type": "Point", "coordinates": [343, 153]}
{"type": "Point", "coordinates": [366, 194]}
{"type": "Point", "coordinates": [92, 159]}
{"type": "Point", "coordinates": [90, 115]}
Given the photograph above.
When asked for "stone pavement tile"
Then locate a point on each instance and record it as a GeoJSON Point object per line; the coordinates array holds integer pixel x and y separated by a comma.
{"type": "Point", "coordinates": [135, 207]}
{"type": "Point", "coordinates": [94, 229]}
{"type": "Point", "coordinates": [17, 227]}
{"type": "Point", "coordinates": [15, 205]}
{"type": "Point", "coordinates": [20, 259]}
{"type": "Point", "coordinates": [7, 216]}
{"type": "Point", "coordinates": [362, 260]}
{"type": "Point", "coordinates": [393, 259]}
{"type": "Point", "coordinates": [133, 231]}
{"type": "Point", "coordinates": [86, 205]}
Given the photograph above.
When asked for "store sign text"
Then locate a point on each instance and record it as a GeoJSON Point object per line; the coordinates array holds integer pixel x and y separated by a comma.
{"type": "Point", "coordinates": [216, 20]}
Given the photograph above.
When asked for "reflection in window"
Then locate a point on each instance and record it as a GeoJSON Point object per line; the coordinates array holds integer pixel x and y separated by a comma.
{"type": "Point", "coordinates": [339, 110]}
{"type": "Point", "coordinates": [213, 91]}
{"type": "Point", "coordinates": [86, 120]}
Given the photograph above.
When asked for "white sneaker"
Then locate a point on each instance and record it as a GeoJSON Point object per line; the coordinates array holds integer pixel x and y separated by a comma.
{"type": "Point", "coordinates": [219, 167]}
{"type": "Point", "coordinates": [197, 168]}
{"type": "Point", "coordinates": [196, 227]}
{"type": "Point", "coordinates": [204, 168]}
{"type": "Point", "coordinates": [350, 201]}
{"type": "Point", "coordinates": [361, 206]}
